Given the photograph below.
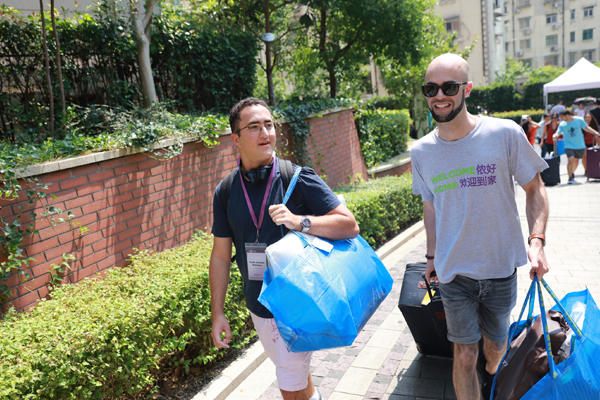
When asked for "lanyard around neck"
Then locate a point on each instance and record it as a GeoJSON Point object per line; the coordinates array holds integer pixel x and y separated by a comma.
{"type": "Point", "coordinates": [258, 223]}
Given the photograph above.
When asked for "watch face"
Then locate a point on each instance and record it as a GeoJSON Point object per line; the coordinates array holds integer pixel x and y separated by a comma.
{"type": "Point", "coordinates": [305, 222]}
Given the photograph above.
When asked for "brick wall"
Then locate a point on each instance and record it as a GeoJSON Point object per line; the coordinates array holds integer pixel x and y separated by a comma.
{"type": "Point", "coordinates": [135, 201]}
{"type": "Point", "coordinates": [336, 140]}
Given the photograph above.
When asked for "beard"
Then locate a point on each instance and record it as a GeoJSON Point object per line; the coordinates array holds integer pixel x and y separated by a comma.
{"type": "Point", "coordinates": [452, 115]}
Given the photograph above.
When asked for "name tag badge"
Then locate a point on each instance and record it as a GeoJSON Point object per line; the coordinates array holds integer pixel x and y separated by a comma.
{"type": "Point", "coordinates": [323, 245]}
{"type": "Point", "coordinates": [256, 258]}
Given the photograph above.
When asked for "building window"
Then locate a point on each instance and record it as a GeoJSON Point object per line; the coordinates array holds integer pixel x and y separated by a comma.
{"type": "Point", "coordinates": [505, 8]}
{"type": "Point", "coordinates": [524, 23]}
{"type": "Point", "coordinates": [572, 58]}
{"type": "Point", "coordinates": [525, 44]}
{"type": "Point", "coordinates": [572, 15]}
{"type": "Point", "coordinates": [551, 18]}
{"type": "Point", "coordinates": [523, 3]}
{"type": "Point", "coordinates": [572, 37]}
{"type": "Point", "coordinates": [589, 55]}
{"type": "Point", "coordinates": [506, 47]}
{"type": "Point", "coordinates": [452, 25]}
{"type": "Point", "coordinates": [588, 12]}
{"type": "Point", "coordinates": [551, 60]}
{"type": "Point", "coordinates": [588, 34]}
{"type": "Point", "coordinates": [551, 40]}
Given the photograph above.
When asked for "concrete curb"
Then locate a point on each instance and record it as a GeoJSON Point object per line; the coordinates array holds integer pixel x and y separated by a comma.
{"type": "Point", "coordinates": [228, 380]}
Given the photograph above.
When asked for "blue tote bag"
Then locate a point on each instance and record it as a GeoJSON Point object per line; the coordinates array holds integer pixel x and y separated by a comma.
{"type": "Point", "coordinates": [577, 377]}
{"type": "Point", "coordinates": [324, 298]}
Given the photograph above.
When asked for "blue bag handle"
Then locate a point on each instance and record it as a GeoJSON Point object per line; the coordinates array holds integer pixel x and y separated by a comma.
{"type": "Point", "coordinates": [289, 191]}
{"type": "Point", "coordinates": [529, 300]}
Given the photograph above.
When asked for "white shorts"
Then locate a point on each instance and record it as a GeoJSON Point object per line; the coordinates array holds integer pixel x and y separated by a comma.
{"type": "Point", "coordinates": [292, 369]}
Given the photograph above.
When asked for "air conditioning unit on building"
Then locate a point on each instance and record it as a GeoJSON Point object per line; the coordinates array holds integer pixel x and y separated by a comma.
{"type": "Point", "coordinates": [527, 31]}
{"type": "Point", "coordinates": [555, 26]}
{"type": "Point", "coordinates": [554, 5]}
{"type": "Point", "coordinates": [517, 10]}
{"type": "Point", "coordinates": [554, 48]}
{"type": "Point", "coordinates": [520, 53]}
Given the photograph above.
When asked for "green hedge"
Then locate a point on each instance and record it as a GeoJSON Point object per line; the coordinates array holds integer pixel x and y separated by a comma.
{"type": "Point", "coordinates": [110, 338]}
{"type": "Point", "coordinates": [382, 207]}
{"type": "Point", "coordinates": [536, 115]}
{"type": "Point", "coordinates": [383, 133]}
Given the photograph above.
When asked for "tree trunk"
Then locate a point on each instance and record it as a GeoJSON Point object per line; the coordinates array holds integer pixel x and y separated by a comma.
{"type": "Point", "coordinates": [332, 84]}
{"type": "Point", "coordinates": [61, 87]}
{"type": "Point", "coordinates": [269, 69]}
{"type": "Point", "coordinates": [141, 26]}
{"type": "Point", "coordinates": [47, 61]}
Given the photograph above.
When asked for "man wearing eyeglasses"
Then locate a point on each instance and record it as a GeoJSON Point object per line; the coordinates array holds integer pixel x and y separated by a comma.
{"type": "Point", "coordinates": [257, 189]}
{"type": "Point", "coordinates": [464, 171]}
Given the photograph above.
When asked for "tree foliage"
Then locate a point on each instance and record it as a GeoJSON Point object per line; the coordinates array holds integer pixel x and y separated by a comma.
{"type": "Point", "coordinates": [343, 35]}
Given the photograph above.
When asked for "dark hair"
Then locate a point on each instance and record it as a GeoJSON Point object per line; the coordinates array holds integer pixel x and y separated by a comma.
{"type": "Point", "coordinates": [565, 112]}
{"type": "Point", "coordinates": [235, 115]}
{"type": "Point", "coordinates": [546, 115]}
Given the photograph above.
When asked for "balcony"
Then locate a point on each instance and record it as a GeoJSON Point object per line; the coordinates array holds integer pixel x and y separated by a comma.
{"type": "Point", "coordinates": [523, 3]}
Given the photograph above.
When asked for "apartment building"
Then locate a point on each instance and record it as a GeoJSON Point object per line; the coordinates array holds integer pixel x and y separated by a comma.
{"type": "Point", "coordinates": [483, 19]}
{"type": "Point", "coordinates": [551, 32]}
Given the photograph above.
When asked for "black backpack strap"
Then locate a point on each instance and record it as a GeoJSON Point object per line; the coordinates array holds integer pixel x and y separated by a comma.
{"type": "Point", "coordinates": [286, 168]}
{"type": "Point", "coordinates": [225, 191]}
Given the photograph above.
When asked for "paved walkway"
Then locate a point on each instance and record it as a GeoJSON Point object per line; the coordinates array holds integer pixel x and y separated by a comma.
{"type": "Point", "coordinates": [383, 362]}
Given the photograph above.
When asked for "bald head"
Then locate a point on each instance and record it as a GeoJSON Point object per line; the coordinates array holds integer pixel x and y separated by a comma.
{"type": "Point", "coordinates": [448, 64]}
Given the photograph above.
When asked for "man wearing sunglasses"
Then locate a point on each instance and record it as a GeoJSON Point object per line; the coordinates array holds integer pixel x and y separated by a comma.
{"type": "Point", "coordinates": [465, 171]}
{"type": "Point", "coordinates": [256, 189]}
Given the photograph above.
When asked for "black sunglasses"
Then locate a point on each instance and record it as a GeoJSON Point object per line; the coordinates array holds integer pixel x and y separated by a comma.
{"type": "Point", "coordinates": [448, 88]}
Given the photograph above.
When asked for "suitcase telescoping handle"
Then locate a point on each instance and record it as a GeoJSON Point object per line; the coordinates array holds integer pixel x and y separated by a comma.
{"type": "Point", "coordinates": [427, 283]}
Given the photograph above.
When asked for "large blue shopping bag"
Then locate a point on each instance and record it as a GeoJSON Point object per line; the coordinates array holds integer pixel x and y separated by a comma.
{"type": "Point", "coordinates": [577, 377]}
{"type": "Point", "coordinates": [324, 298]}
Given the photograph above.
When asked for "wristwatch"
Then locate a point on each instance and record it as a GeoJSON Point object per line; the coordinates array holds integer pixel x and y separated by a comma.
{"type": "Point", "coordinates": [305, 222]}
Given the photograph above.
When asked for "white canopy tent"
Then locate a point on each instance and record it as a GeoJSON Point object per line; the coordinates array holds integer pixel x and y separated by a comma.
{"type": "Point", "coordinates": [582, 75]}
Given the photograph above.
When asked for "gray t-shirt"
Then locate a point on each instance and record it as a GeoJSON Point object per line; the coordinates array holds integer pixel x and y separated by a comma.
{"type": "Point", "coordinates": [470, 182]}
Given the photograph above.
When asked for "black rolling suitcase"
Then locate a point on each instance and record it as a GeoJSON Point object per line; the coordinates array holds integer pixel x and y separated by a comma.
{"type": "Point", "coordinates": [551, 175]}
{"type": "Point", "coordinates": [427, 323]}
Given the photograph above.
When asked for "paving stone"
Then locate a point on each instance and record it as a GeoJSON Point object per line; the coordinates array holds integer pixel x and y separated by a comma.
{"type": "Point", "coordinates": [335, 374]}
{"type": "Point", "coordinates": [356, 381]}
{"type": "Point", "coordinates": [332, 357]}
{"type": "Point", "coordinates": [409, 368]}
{"type": "Point", "coordinates": [371, 357]}
{"type": "Point", "coordinates": [389, 367]}
{"type": "Point", "coordinates": [437, 368]}
{"type": "Point", "coordinates": [328, 382]}
{"type": "Point", "coordinates": [384, 338]}
{"type": "Point", "coordinates": [350, 351]}
{"type": "Point", "coordinates": [380, 378]}
{"type": "Point", "coordinates": [449, 391]}
{"type": "Point", "coordinates": [420, 387]}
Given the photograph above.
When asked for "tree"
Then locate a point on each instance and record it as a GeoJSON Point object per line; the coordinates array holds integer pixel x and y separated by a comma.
{"type": "Point", "coordinates": [142, 24]}
{"type": "Point", "coordinates": [47, 62]}
{"type": "Point", "coordinates": [346, 33]}
{"type": "Point", "coordinates": [58, 63]}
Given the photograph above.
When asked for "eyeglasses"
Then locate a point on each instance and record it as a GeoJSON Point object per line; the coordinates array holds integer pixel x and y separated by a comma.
{"type": "Point", "coordinates": [448, 88]}
{"type": "Point", "coordinates": [255, 127]}
{"type": "Point", "coordinates": [554, 117]}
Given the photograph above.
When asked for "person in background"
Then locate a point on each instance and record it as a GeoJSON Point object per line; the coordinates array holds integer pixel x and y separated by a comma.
{"type": "Point", "coordinates": [540, 130]}
{"type": "Point", "coordinates": [550, 129]}
{"type": "Point", "coordinates": [571, 129]}
{"type": "Point", "coordinates": [558, 108]}
{"type": "Point", "coordinates": [529, 127]}
{"type": "Point", "coordinates": [589, 139]}
{"type": "Point", "coordinates": [580, 110]}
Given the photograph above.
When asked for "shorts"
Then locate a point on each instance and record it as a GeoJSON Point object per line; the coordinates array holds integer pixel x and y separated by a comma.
{"type": "Point", "coordinates": [292, 369]}
{"type": "Point", "coordinates": [478, 307]}
{"type": "Point", "coordinates": [577, 153]}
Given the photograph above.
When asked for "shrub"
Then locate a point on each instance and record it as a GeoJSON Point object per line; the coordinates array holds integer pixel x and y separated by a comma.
{"type": "Point", "coordinates": [382, 133]}
{"type": "Point", "coordinates": [383, 206]}
{"type": "Point", "coordinates": [110, 338]}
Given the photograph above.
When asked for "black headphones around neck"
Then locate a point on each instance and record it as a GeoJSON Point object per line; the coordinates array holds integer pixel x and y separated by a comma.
{"type": "Point", "coordinates": [257, 174]}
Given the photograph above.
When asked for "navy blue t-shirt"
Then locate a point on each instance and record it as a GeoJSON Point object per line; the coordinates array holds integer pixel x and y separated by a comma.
{"type": "Point", "coordinates": [236, 222]}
